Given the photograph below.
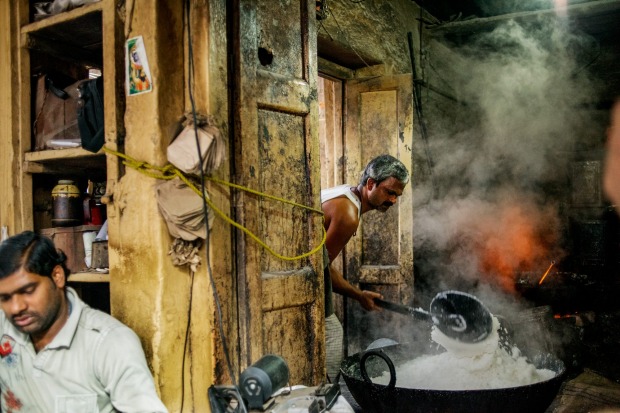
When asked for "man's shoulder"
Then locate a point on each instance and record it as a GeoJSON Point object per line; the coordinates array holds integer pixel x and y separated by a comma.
{"type": "Point", "coordinates": [339, 191]}
{"type": "Point", "coordinates": [96, 320]}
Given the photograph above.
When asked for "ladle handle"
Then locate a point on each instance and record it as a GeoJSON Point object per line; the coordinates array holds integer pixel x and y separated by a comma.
{"type": "Point", "coordinates": [416, 313]}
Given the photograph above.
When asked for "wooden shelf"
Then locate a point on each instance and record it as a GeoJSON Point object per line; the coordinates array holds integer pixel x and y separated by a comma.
{"type": "Point", "coordinates": [66, 45]}
{"type": "Point", "coordinates": [53, 154]}
{"type": "Point", "coordinates": [62, 161]}
{"type": "Point", "coordinates": [89, 277]}
{"type": "Point", "coordinates": [73, 35]}
{"type": "Point", "coordinates": [68, 17]}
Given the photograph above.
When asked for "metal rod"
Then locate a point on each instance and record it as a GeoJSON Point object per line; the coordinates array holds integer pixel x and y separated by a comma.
{"type": "Point", "coordinates": [438, 91]}
{"type": "Point", "coordinates": [417, 103]}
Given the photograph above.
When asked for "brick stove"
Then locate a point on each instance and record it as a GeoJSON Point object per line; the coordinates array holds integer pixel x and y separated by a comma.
{"type": "Point", "coordinates": [578, 302]}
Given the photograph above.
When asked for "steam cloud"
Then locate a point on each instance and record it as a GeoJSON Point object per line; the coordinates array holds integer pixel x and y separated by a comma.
{"type": "Point", "coordinates": [500, 169]}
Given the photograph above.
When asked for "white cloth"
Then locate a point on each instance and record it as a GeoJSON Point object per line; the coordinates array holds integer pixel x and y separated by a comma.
{"type": "Point", "coordinates": [334, 346]}
{"type": "Point", "coordinates": [342, 190]}
{"type": "Point", "coordinates": [334, 335]}
{"type": "Point", "coordinates": [95, 364]}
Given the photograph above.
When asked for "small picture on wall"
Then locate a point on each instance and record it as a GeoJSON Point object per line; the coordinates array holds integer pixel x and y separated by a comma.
{"type": "Point", "coordinates": [138, 74]}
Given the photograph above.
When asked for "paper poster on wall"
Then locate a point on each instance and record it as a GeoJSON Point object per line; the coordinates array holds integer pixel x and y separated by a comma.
{"type": "Point", "coordinates": [138, 77]}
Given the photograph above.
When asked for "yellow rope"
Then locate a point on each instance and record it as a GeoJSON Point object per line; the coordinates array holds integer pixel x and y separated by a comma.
{"type": "Point", "coordinates": [170, 171]}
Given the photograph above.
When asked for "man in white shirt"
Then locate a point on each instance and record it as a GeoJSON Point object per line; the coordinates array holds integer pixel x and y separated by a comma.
{"type": "Point", "coordinates": [57, 355]}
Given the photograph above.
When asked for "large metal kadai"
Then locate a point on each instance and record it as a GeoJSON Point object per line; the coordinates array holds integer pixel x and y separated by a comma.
{"type": "Point", "coordinates": [378, 398]}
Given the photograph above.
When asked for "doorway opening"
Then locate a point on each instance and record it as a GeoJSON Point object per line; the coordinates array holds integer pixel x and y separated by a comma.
{"type": "Point", "coordinates": [330, 131]}
{"type": "Point", "coordinates": [331, 141]}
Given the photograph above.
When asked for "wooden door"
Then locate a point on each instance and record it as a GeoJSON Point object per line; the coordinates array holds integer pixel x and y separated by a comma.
{"type": "Point", "coordinates": [277, 152]}
{"type": "Point", "coordinates": [380, 256]}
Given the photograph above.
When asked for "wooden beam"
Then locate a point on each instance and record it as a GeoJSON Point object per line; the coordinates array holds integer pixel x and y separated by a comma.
{"type": "Point", "coordinates": [574, 11]}
{"type": "Point", "coordinates": [334, 70]}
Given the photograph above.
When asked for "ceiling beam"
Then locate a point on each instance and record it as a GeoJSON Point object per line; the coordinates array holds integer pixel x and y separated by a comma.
{"type": "Point", "coordinates": [575, 11]}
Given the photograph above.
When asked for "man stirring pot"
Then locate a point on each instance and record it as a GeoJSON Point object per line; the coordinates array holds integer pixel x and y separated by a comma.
{"type": "Point", "coordinates": [382, 182]}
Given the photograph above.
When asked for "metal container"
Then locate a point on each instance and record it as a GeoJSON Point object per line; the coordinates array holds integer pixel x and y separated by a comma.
{"type": "Point", "coordinates": [67, 204]}
{"type": "Point", "coordinates": [378, 398]}
{"type": "Point", "coordinates": [259, 381]}
{"type": "Point", "coordinates": [100, 255]}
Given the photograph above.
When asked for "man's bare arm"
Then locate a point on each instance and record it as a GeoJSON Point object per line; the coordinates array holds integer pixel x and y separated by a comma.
{"type": "Point", "coordinates": [364, 297]}
{"type": "Point", "coordinates": [343, 221]}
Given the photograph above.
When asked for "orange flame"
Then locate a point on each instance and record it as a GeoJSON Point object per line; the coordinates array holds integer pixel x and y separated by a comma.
{"type": "Point", "coordinates": [546, 273]}
{"type": "Point", "coordinates": [512, 243]}
{"type": "Point", "coordinates": [505, 238]}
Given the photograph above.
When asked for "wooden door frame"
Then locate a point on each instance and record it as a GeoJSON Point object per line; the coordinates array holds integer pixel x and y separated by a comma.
{"type": "Point", "coordinates": [271, 99]}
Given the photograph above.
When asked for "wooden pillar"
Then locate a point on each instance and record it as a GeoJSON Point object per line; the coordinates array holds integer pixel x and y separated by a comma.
{"type": "Point", "coordinates": [11, 215]}
{"type": "Point", "coordinates": [148, 292]}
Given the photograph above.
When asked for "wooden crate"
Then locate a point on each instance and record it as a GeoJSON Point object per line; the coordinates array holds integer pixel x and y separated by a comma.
{"type": "Point", "coordinates": [70, 241]}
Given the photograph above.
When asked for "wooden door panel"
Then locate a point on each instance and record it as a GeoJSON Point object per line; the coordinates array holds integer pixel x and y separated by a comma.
{"type": "Point", "coordinates": [330, 124]}
{"type": "Point", "coordinates": [288, 289]}
{"type": "Point", "coordinates": [282, 32]}
{"type": "Point", "coordinates": [281, 138]}
{"type": "Point", "coordinates": [288, 299]}
{"type": "Point", "coordinates": [276, 152]}
{"type": "Point", "coordinates": [380, 256]}
{"type": "Point", "coordinates": [285, 331]}
{"type": "Point", "coordinates": [277, 93]}
{"type": "Point", "coordinates": [379, 123]}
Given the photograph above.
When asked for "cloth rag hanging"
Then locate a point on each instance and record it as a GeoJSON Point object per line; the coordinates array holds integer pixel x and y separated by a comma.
{"type": "Point", "coordinates": [182, 209]}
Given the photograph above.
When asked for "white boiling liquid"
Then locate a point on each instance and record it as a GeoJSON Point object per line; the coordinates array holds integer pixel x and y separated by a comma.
{"type": "Point", "coordinates": [467, 366]}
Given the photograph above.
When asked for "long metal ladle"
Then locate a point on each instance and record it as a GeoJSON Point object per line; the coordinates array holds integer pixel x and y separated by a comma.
{"type": "Point", "coordinates": [458, 315]}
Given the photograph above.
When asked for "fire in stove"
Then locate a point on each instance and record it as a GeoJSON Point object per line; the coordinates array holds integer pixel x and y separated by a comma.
{"type": "Point", "coordinates": [563, 291]}
{"type": "Point", "coordinates": [546, 273]}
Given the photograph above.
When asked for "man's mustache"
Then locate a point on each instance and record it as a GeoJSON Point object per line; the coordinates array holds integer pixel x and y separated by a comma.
{"type": "Point", "coordinates": [22, 314]}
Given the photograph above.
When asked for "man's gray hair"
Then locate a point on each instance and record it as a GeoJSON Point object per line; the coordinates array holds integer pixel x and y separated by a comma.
{"type": "Point", "coordinates": [383, 167]}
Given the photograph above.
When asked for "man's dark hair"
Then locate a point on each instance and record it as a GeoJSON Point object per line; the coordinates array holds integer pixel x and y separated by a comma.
{"type": "Point", "coordinates": [33, 252]}
{"type": "Point", "coordinates": [383, 167]}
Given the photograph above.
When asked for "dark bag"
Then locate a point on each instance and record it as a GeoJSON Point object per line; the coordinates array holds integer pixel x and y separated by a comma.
{"type": "Point", "coordinates": [90, 114]}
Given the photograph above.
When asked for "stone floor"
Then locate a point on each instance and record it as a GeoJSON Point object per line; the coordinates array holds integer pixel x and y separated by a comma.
{"type": "Point", "coordinates": [588, 392]}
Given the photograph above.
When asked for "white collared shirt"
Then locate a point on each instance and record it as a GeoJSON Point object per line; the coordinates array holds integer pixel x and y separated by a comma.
{"type": "Point", "coordinates": [95, 364]}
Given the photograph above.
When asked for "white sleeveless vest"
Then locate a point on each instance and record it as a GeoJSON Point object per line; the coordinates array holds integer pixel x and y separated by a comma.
{"type": "Point", "coordinates": [335, 192]}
